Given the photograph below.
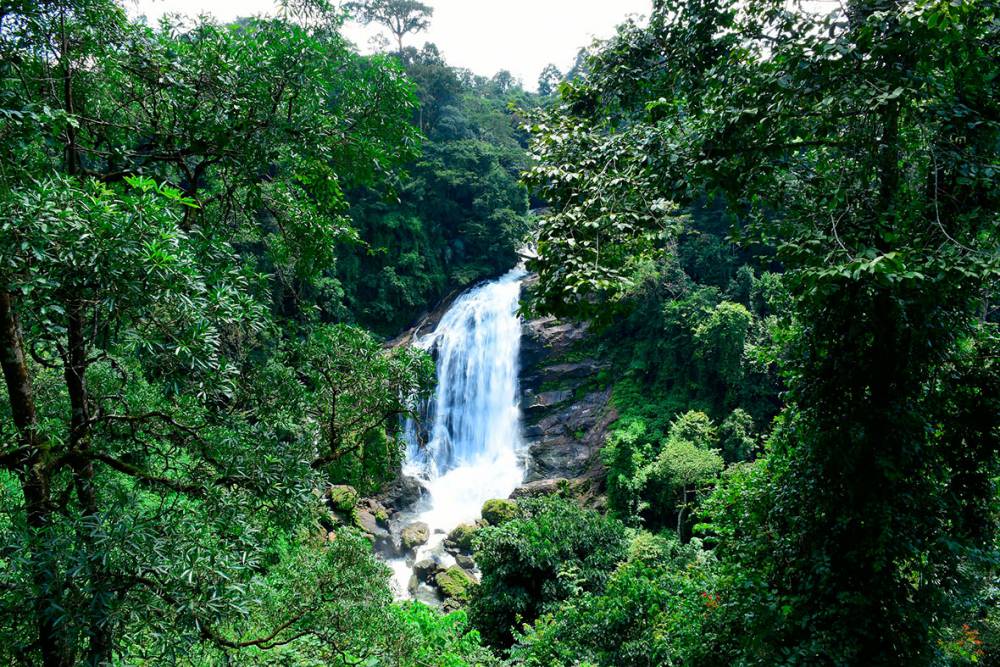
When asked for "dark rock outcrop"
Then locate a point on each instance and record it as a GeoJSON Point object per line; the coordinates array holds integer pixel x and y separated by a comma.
{"type": "Point", "coordinates": [567, 409]}
{"type": "Point", "coordinates": [426, 570]}
{"type": "Point", "coordinates": [541, 487]}
{"type": "Point", "coordinates": [402, 494]}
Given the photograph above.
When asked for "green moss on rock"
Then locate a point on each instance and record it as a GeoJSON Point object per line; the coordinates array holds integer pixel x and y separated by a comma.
{"type": "Point", "coordinates": [461, 537]}
{"type": "Point", "coordinates": [454, 583]}
{"type": "Point", "coordinates": [414, 535]}
{"type": "Point", "coordinates": [342, 498]}
{"type": "Point", "coordinates": [497, 512]}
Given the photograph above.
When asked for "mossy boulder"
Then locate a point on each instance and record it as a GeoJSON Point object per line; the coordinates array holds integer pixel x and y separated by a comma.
{"type": "Point", "coordinates": [455, 583]}
{"type": "Point", "coordinates": [497, 512]}
{"type": "Point", "coordinates": [460, 538]}
{"type": "Point", "coordinates": [342, 498]}
{"type": "Point", "coordinates": [414, 535]}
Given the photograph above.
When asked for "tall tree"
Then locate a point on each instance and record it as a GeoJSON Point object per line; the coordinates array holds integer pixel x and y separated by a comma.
{"type": "Point", "coordinates": [861, 145]}
{"type": "Point", "coordinates": [157, 461]}
{"type": "Point", "coordinates": [548, 80]}
{"type": "Point", "coordinates": [401, 17]}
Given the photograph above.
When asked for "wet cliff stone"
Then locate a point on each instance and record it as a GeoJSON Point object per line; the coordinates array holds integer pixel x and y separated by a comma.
{"type": "Point", "coordinates": [403, 493]}
{"type": "Point", "coordinates": [541, 487]}
{"type": "Point", "coordinates": [414, 535]}
{"type": "Point", "coordinates": [460, 538]}
{"type": "Point", "coordinates": [566, 402]}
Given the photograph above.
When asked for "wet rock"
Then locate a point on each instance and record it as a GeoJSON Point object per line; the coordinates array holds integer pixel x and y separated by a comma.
{"type": "Point", "coordinates": [496, 511]}
{"type": "Point", "coordinates": [372, 518]}
{"type": "Point", "coordinates": [576, 371]}
{"type": "Point", "coordinates": [465, 562]}
{"type": "Point", "coordinates": [426, 569]}
{"type": "Point", "coordinates": [454, 583]}
{"type": "Point", "coordinates": [571, 438]}
{"type": "Point", "coordinates": [403, 493]}
{"type": "Point", "coordinates": [543, 402]}
{"type": "Point", "coordinates": [459, 540]}
{"type": "Point", "coordinates": [542, 487]}
{"type": "Point", "coordinates": [414, 535]}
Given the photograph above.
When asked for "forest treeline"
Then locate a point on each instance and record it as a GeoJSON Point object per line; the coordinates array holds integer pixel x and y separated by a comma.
{"type": "Point", "coordinates": [780, 225]}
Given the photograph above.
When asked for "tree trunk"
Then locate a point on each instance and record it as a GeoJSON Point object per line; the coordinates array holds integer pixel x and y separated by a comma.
{"type": "Point", "coordinates": [75, 373]}
{"type": "Point", "coordinates": [33, 470]}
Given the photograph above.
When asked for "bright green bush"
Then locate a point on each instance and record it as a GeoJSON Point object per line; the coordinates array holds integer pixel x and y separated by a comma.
{"type": "Point", "coordinates": [651, 612]}
{"type": "Point", "coordinates": [530, 564]}
{"type": "Point", "coordinates": [441, 640]}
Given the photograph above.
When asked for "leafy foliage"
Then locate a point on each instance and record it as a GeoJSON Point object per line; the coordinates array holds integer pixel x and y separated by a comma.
{"type": "Point", "coordinates": [651, 612]}
{"type": "Point", "coordinates": [553, 551]}
{"type": "Point", "coordinates": [458, 216]}
{"type": "Point", "coordinates": [859, 145]}
{"type": "Point", "coordinates": [401, 17]}
{"type": "Point", "coordinates": [160, 447]}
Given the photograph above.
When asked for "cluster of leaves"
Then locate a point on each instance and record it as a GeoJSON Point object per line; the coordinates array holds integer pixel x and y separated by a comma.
{"type": "Point", "coordinates": [458, 216]}
{"type": "Point", "coordinates": [857, 148]}
{"type": "Point", "coordinates": [173, 201]}
{"type": "Point", "coordinates": [684, 348]}
{"type": "Point", "coordinates": [651, 612]}
{"type": "Point", "coordinates": [553, 551]}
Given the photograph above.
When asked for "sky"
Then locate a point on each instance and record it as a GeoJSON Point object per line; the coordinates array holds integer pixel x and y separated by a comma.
{"type": "Point", "coordinates": [485, 36]}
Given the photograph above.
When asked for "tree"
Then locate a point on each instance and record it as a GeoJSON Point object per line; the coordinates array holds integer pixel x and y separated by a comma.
{"type": "Point", "coordinates": [359, 393]}
{"type": "Point", "coordinates": [156, 466]}
{"type": "Point", "coordinates": [687, 464]}
{"type": "Point", "coordinates": [549, 80]}
{"type": "Point", "coordinates": [651, 612]}
{"type": "Point", "coordinates": [854, 144]}
{"type": "Point", "coordinates": [401, 17]}
{"type": "Point", "coordinates": [552, 551]}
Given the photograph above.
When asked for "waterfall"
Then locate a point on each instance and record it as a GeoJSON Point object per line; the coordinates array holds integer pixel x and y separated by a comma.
{"type": "Point", "coordinates": [467, 449]}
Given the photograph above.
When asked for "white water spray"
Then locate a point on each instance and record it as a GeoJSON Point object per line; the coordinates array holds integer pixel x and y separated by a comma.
{"type": "Point", "coordinates": [473, 426]}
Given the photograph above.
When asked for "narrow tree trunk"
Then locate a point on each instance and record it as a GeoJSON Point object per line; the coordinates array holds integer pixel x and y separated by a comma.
{"type": "Point", "coordinates": [75, 373]}
{"type": "Point", "coordinates": [33, 470]}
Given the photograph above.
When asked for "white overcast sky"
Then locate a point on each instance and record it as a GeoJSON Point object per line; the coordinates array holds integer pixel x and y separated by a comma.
{"type": "Point", "coordinates": [485, 36]}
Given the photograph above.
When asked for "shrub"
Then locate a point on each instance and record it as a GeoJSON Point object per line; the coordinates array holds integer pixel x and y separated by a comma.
{"type": "Point", "coordinates": [555, 550]}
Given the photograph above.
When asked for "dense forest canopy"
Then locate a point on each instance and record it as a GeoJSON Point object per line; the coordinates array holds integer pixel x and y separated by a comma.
{"type": "Point", "coordinates": [779, 224]}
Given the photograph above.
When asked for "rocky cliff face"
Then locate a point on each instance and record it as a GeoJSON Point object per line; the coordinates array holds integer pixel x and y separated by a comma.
{"type": "Point", "coordinates": [567, 410]}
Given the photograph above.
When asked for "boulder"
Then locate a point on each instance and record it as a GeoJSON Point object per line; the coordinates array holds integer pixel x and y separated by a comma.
{"type": "Point", "coordinates": [342, 498]}
{"type": "Point", "coordinates": [454, 583]}
{"type": "Point", "coordinates": [426, 569]}
{"type": "Point", "coordinates": [450, 605]}
{"type": "Point", "coordinates": [465, 562]}
{"type": "Point", "coordinates": [402, 493]}
{"type": "Point", "coordinates": [497, 512]}
{"type": "Point", "coordinates": [414, 535]}
{"type": "Point", "coordinates": [542, 487]}
{"type": "Point", "coordinates": [460, 538]}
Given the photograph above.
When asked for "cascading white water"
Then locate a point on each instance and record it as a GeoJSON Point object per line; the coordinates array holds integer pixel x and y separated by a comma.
{"type": "Point", "coordinates": [473, 425]}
